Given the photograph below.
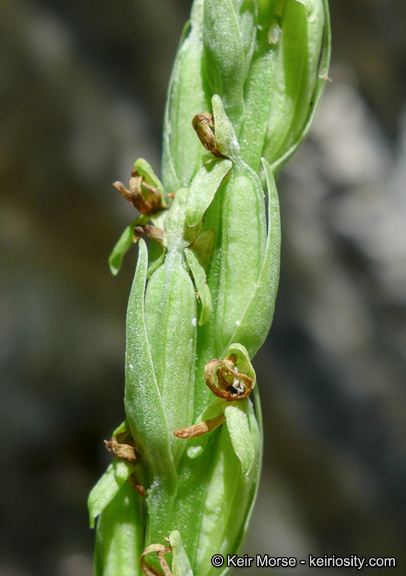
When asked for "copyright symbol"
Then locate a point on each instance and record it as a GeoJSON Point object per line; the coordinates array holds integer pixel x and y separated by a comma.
{"type": "Point", "coordinates": [217, 560]}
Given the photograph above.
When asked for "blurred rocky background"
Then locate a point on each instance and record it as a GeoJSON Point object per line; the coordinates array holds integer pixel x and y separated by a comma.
{"type": "Point", "coordinates": [82, 92]}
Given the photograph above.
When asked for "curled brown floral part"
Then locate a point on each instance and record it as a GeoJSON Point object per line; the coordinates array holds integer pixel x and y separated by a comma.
{"type": "Point", "coordinates": [150, 193]}
{"type": "Point", "coordinates": [149, 231]}
{"type": "Point", "coordinates": [123, 451]}
{"type": "Point", "coordinates": [126, 452]}
{"type": "Point", "coordinates": [144, 197]}
{"type": "Point", "coordinates": [203, 125]}
{"type": "Point", "coordinates": [200, 428]}
{"type": "Point", "coordinates": [224, 380]}
{"type": "Point", "coordinates": [136, 199]}
{"type": "Point", "coordinates": [160, 551]}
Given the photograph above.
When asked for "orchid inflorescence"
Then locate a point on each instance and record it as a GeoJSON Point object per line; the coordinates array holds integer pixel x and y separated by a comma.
{"type": "Point", "coordinates": [245, 86]}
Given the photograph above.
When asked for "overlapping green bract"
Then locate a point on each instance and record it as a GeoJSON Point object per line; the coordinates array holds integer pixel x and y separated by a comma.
{"type": "Point", "coordinates": [202, 304]}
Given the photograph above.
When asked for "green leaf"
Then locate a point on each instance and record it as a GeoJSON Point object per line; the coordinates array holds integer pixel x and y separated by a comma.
{"type": "Point", "coordinates": [292, 72]}
{"type": "Point", "coordinates": [237, 424]}
{"type": "Point", "coordinates": [200, 280]}
{"type": "Point", "coordinates": [304, 86]}
{"type": "Point", "coordinates": [259, 97]}
{"type": "Point", "coordinates": [203, 188]}
{"type": "Point", "coordinates": [107, 487]}
{"type": "Point", "coordinates": [226, 497]}
{"type": "Point", "coordinates": [180, 561]}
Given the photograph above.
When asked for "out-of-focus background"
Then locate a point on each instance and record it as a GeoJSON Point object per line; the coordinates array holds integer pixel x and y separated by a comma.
{"type": "Point", "coordinates": [82, 92]}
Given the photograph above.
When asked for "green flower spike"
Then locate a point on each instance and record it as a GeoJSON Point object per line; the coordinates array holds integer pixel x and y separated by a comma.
{"type": "Point", "coordinates": [245, 86]}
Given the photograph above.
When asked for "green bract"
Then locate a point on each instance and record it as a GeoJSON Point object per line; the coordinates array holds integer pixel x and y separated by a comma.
{"type": "Point", "coordinates": [247, 79]}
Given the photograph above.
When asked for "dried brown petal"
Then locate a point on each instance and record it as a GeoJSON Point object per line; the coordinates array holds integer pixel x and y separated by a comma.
{"type": "Point", "coordinates": [144, 197]}
{"type": "Point", "coordinates": [123, 451]}
{"type": "Point", "coordinates": [200, 428]}
{"type": "Point", "coordinates": [160, 550]}
{"type": "Point", "coordinates": [224, 380]}
{"type": "Point", "coordinates": [151, 232]}
{"type": "Point", "coordinates": [204, 127]}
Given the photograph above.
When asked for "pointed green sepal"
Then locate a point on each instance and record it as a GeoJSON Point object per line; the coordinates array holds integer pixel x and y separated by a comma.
{"type": "Point", "coordinates": [124, 427]}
